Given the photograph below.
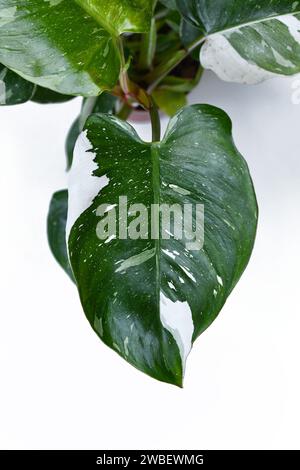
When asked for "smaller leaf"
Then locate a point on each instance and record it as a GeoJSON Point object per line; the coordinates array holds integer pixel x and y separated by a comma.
{"type": "Point", "coordinates": [170, 102]}
{"type": "Point", "coordinates": [71, 141]}
{"type": "Point", "coordinates": [180, 84]}
{"type": "Point", "coordinates": [13, 88]}
{"type": "Point", "coordinates": [56, 228]}
{"type": "Point", "coordinates": [46, 96]}
{"type": "Point", "coordinates": [105, 104]}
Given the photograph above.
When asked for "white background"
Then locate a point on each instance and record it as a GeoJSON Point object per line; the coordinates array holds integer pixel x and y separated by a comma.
{"type": "Point", "coordinates": [61, 388]}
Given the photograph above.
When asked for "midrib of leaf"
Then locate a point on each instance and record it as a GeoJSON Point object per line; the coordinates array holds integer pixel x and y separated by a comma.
{"type": "Point", "coordinates": [156, 194]}
{"type": "Point", "coordinates": [250, 23]}
{"type": "Point", "coordinates": [99, 18]}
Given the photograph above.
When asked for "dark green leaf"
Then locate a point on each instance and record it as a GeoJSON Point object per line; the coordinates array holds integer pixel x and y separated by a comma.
{"type": "Point", "coordinates": [256, 40]}
{"type": "Point", "coordinates": [105, 104]}
{"type": "Point", "coordinates": [58, 45]}
{"type": "Point", "coordinates": [13, 88]}
{"type": "Point", "coordinates": [215, 16]}
{"type": "Point", "coordinates": [46, 96]}
{"type": "Point", "coordinates": [149, 299]}
{"type": "Point", "coordinates": [189, 33]}
{"type": "Point", "coordinates": [56, 227]}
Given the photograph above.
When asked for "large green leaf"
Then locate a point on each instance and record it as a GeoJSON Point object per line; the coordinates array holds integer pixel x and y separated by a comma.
{"type": "Point", "coordinates": [149, 298]}
{"type": "Point", "coordinates": [56, 229]}
{"type": "Point", "coordinates": [13, 88]}
{"type": "Point", "coordinates": [58, 45]}
{"type": "Point", "coordinates": [248, 41]}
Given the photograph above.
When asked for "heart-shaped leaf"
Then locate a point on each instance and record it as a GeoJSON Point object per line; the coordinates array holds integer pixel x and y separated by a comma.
{"type": "Point", "coordinates": [147, 290]}
{"type": "Point", "coordinates": [247, 42]}
{"type": "Point", "coordinates": [13, 88]}
{"type": "Point", "coordinates": [56, 228]}
{"type": "Point", "coordinates": [58, 45]}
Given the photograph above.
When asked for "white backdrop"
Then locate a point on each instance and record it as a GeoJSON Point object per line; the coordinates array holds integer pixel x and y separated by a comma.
{"type": "Point", "coordinates": [61, 388]}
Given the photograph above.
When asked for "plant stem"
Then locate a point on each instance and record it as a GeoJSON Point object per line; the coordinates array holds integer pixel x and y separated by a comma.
{"type": "Point", "coordinates": [148, 47]}
{"type": "Point", "coordinates": [155, 121]}
{"type": "Point", "coordinates": [124, 80]}
{"type": "Point", "coordinates": [132, 91]}
{"type": "Point", "coordinates": [164, 69]}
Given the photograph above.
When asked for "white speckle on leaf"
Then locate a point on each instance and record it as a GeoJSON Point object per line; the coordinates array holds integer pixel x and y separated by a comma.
{"type": "Point", "coordinates": [179, 190]}
{"type": "Point", "coordinates": [136, 260]}
{"type": "Point", "coordinates": [53, 3]}
{"type": "Point", "coordinates": [126, 341]}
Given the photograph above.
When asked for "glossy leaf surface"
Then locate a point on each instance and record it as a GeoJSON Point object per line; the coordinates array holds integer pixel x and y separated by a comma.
{"type": "Point", "coordinates": [56, 228]}
{"type": "Point", "coordinates": [247, 42]}
{"type": "Point", "coordinates": [13, 88]}
{"type": "Point", "coordinates": [60, 46]}
{"type": "Point", "coordinates": [149, 298]}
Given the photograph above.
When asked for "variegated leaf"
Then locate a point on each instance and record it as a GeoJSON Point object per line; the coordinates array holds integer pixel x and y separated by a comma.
{"type": "Point", "coordinates": [247, 42]}
{"type": "Point", "coordinates": [68, 46]}
{"type": "Point", "coordinates": [147, 292]}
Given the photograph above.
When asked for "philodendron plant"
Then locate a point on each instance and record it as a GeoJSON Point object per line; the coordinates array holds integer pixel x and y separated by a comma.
{"type": "Point", "coordinates": [155, 235]}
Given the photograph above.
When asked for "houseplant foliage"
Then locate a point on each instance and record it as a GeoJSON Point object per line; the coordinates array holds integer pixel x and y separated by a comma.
{"type": "Point", "coordinates": [148, 298]}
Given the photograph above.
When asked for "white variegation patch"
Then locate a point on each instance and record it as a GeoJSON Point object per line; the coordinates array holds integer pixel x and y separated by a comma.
{"type": "Point", "coordinates": [135, 260]}
{"type": "Point", "coordinates": [177, 318]}
{"type": "Point", "coordinates": [83, 186]}
{"type": "Point", "coordinates": [293, 24]}
{"type": "Point", "coordinates": [219, 55]}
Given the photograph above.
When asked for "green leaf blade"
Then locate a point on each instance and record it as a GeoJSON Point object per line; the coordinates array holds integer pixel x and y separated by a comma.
{"type": "Point", "coordinates": [213, 17]}
{"type": "Point", "coordinates": [247, 42]}
{"type": "Point", "coordinates": [56, 230]}
{"type": "Point", "coordinates": [58, 46]}
{"type": "Point", "coordinates": [149, 299]}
